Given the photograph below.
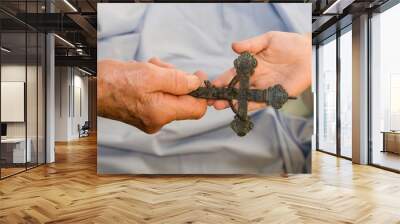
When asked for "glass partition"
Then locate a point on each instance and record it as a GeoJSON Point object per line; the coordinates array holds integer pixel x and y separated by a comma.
{"type": "Point", "coordinates": [14, 143]}
{"type": "Point", "coordinates": [327, 95]}
{"type": "Point", "coordinates": [23, 91]}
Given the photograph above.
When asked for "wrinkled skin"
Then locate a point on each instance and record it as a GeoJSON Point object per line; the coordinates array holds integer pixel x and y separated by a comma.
{"type": "Point", "coordinates": [147, 95]}
{"type": "Point", "coordinates": [282, 58]}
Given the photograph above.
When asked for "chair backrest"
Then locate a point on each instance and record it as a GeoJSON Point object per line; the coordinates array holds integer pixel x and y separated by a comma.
{"type": "Point", "coordinates": [86, 125]}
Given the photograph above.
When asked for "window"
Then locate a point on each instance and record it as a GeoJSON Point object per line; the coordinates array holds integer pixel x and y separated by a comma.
{"type": "Point", "coordinates": [385, 89]}
{"type": "Point", "coordinates": [346, 92]}
{"type": "Point", "coordinates": [327, 95]}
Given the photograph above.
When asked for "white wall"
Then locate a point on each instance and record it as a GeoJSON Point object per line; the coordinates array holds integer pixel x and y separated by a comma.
{"type": "Point", "coordinates": [70, 83]}
{"type": "Point", "coordinates": [80, 97]}
{"type": "Point", "coordinates": [12, 73]}
{"type": "Point", "coordinates": [62, 81]}
{"type": "Point", "coordinates": [33, 126]}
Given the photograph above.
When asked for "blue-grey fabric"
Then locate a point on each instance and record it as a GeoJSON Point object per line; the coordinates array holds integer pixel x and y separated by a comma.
{"type": "Point", "coordinates": [199, 37]}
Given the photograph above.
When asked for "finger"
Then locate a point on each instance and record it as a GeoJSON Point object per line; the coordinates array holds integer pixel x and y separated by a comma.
{"type": "Point", "coordinates": [224, 79]}
{"type": "Point", "coordinates": [263, 82]}
{"type": "Point", "coordinates": [163, 108]}
{"type": "Point", "coordinates": [175, 82]}
{"type": "Point", "coordinates": [253, 45]}
{"type": "Point", "coordinates": [159, 62]}
{"type": "Point", "coordinates": [202, 76]}
{"type": "Point", "coordinates": [185, 107]}
{"type": "Point", "coordinates": [263, 67]}
{"type": "Point", "coordinates": [221, 104]}
{"type": "Point", "coordinates": [252, 106]}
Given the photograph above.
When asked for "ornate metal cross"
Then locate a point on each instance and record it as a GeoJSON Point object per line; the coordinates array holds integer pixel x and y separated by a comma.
{"type": "Point", "coordinates": [245, 64]}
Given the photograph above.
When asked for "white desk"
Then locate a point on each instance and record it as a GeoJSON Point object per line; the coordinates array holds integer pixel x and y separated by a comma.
{"type": "Point", "coordinates": [19, 149]}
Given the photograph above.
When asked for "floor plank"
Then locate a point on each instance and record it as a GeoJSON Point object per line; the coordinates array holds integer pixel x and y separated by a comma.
{"type": "Point", "coordinates": [70, 191]}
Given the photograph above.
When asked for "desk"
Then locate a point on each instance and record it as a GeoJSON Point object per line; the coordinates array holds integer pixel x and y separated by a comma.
{"type": "Point", "coordinates": [391, 141]}
{"type": "Point", "coordinates": [13, 150]}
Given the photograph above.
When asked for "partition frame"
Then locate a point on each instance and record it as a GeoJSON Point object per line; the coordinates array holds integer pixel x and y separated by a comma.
{"type": "Point", "coordinates": [44, 94]}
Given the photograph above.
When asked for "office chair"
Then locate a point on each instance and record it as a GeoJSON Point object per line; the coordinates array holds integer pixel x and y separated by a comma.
{"type": "Point", "coordinates": [84, 130]}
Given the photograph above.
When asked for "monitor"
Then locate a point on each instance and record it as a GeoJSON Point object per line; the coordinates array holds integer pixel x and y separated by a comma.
{"type": "Point", "coordinates": [3, 129]}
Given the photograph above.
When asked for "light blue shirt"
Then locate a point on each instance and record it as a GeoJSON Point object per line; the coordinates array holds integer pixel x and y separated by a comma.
{"type": "Point", "coordinates": [199, 37]}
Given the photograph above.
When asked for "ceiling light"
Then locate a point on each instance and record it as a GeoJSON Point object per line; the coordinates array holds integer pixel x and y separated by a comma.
{"type": "Point", "coordinates": [326, 11]}
{"type": "Point", "coordinates": [64, 40]}
{"type": "Point", "coordinates": [84, 71]}
{"type": "Point", "coordinates": [5, 50]}
{"type": "Point", "coordinates": [70, 5]}
{"type": "Point", "coordinates": [80, 51]}
{"type": "Point", "coordinates": [337, 7]}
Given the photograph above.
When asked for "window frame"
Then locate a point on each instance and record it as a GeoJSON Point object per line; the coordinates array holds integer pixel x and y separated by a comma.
{"type": "Point", "coordinates": [333, 37]}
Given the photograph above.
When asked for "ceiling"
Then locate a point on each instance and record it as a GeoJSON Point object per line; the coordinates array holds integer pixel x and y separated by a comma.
{"type": "Point", "coordinates": [76, 25]}
{"type": "Point", "coordinates": [76, 21]}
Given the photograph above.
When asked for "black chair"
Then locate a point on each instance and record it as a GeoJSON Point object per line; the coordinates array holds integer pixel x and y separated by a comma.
{"type": "Point", "coordinates": [84, 130]}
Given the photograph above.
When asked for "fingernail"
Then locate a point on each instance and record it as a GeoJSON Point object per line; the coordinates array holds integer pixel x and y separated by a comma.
{"type": "Point", "coordinates": [193, 82]}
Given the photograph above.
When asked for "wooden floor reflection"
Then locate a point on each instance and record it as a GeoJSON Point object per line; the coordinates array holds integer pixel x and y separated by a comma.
{"type": "Point", "coordinates": [70, 191]}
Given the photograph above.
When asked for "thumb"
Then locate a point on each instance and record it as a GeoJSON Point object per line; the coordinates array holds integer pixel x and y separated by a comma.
{"type": "Point", "coordinates": [201, 74]}
{"type": "Point", "coordinates": [159, 62]}
{"type": "Point", "coordinates": [176, 82]}
{"type": "Point", "coordinates": [253, 45]}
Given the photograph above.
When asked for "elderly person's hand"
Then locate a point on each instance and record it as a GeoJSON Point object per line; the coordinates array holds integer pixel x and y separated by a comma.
{"type": "Point", "coordinates": [147, 95]}
{"type": "Point", "coordinates": [283, 58]}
